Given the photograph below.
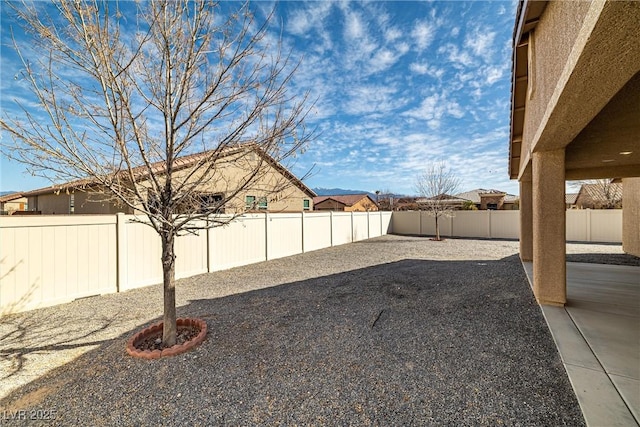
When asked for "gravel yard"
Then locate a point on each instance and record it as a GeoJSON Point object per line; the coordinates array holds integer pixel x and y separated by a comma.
{"type": "Point", "coordinates": [395, 330]}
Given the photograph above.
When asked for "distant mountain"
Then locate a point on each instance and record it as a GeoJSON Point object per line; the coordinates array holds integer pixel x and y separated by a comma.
{"type": "Point", "coordinates": [342, 192]}
{"type": "Point", "coordinates": [4, 193]}
{"type": "Point", "coordinates": [339, 192]}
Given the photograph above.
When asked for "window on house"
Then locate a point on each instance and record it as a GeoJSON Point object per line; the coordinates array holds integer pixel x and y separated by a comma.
{"type": "Point", "coordinates": [72, 203]}
{"type": "Point", "coordinates": [262, 203]}
{"type": "Point", "coordinates": [250, 202]}
{"type": "Point", "coordinates": [211, 202]}
{"type": "Point", "coordinates": [306, 204]}
{"type": "Point", "coordinates": [492, 206]}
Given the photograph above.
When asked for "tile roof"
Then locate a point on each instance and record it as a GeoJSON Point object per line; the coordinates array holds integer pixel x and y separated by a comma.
{"type": "Point", "coordinates": [10, 197]}
{"type": "Point", "coordinates": [596, 192]}
{"type": "Point", "coordinates": [345, 199]}
{"type": "Point", "coordinates": [141, 172]}
{"type": "Point", "coordinates": [570, 198]}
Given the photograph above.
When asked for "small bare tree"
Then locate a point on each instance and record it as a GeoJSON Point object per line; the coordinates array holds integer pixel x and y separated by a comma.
{"type": "Point", "coordinates": [128, 92]}
{"type": "Point", "coordinates": [436, 186]}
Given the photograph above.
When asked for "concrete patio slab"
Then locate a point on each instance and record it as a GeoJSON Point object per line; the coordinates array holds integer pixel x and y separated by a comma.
{"type": "Point", "coordinates": [598, 336]}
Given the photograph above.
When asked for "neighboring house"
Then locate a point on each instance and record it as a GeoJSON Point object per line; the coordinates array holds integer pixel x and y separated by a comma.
{"type": "Point", "coordinates": [405, 204]}
{"type": "Point", "coordinates": [570, 200]}
{"type": "Point", "coordinates": [443, 200]}
{"type": "Point", "coordinates": [491, 199]}
{"type": "Point", "coordinates": [85, 197]}
{"type": "Point", "coordinates": [600, 196]}
{"type": "Point", "coordinates": [346, 203]}
{"type": "Point", "coordinates": [15, 202]}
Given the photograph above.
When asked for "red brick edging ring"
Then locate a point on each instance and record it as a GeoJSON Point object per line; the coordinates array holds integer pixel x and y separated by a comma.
{"type": "Point", "coordinates": [171, 351]}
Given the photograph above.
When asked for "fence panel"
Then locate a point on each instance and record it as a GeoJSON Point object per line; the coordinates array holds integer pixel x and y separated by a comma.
{"type": "Point", "coordinates": [504, 224]}
{"type": "Point", "coordinates": [316, 231]}
{"type": "Point", "coordinates": [240, 242]}
{"type": "Point", "coordinates": [342, 232]}
{"type": "Point", "coordinates": [606, 225]}
{"type": "Point", "coordinates": [471, 224]}
{"type": "Point", "coordinates": [284, 235]}
{"type": "Point", "coordinates": [387, 222]}
{"type": "Point", "coordinates": [577, 227]}
{"type": "Point", "coordinates": [428, 224]}
{"type": "Point", "coordinates": [49, 260]}
{"type": "Point", "coordinates": [375, 224]}
{"type": "Point", "coordinates": [406, 222]}
{"type": "Point", "coordinates": [191, 253]}
{"type": "Point", "coordinates": [360, 225]}
{"type": "Point", "coordinates": [141, 260]}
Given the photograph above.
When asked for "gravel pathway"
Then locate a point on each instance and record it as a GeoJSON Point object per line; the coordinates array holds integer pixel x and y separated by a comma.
{"type": "Point", "coordinates": [395, 330]}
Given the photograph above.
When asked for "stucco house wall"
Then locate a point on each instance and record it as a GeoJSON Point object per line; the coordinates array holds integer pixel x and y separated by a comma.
{"type": "Point", "coordinates": [549, 47]}
{"type": "Point", "coordinates": [364, 205]}
{"type": "Point", "coordinates": [630, 215]}
{"type": "Point", "coordinates": [283, 193]}
{"type": "Point", "coordinates": [13, 205]}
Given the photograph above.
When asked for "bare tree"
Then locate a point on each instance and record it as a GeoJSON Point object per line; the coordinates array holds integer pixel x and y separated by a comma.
{"type": "Point", "coordinates": [125, 92]}
{"type": "Point", "coordinates": [436, 186]}
{"type": "Point", "coordinates": [385, 200]}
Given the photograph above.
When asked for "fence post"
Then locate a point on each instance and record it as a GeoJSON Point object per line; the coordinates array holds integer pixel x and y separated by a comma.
{"type": "Point", "coordinates": [352, 229]}
{"type": "Point", "coordinates": [121, 252]}
{"type": "Point", "coordinates": [302, 235]}
{"type": "Point", "coordinates": [331, 228]}
{"type": "Point", "coordinates": [368, 225]}
{"type": "Point", "coordinates": [208, 249]}
{"type": "Point", "coordinates": [266, 236]}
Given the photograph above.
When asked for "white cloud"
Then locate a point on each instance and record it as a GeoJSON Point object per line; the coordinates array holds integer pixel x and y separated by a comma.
{"type": "Point", "coordinates": [494, 74]}
{"type": "Point", "coordinates": [312, 16]}
{"type": "Point", "coordinates": [392, 34]}
{"type": "Point", "coordinates": [382, 60]}
{"type": "Point", "coordinates": [458, 58]}
{"type": "Point", "coordinates": [423, 34]}
{"type": "Point", "coordinates": [355, 28]}
{"type": "Point", "coordinates": [423, 68]}
{"type": "Point", "coordinates": [481, 42]}
{"type": "Point", "coordinates": [433, 109]}
{"type": "Point", "coordinates": [367, 99]}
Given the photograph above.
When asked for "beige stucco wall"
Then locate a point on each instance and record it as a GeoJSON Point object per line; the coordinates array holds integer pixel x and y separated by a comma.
{"type": "Point", "coordinates": [235, 171]}
{"type": "Point", "coordinates": [329, 205]}
{"type": "Point", "coordinates": [20, 204]}
{"type": "Point", "coordinates": [363, 205]}
{"type": "Point", "coordinates": [49, 204]}
{"type": "Point", "coordinates": [92, 203]}
{"type": "Point", "coordinates": [631, 216]}
{"type": "Point", "coordinates": [551, 44]}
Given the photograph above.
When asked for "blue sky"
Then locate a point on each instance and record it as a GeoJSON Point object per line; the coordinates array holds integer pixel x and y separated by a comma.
{"type": "Point", "coordinates": [398, 85]}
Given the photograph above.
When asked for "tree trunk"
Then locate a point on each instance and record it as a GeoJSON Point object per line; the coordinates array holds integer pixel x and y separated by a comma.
{"type": "Point", "coordinates": [437, 230]}
{"type": "Point", "coordinates": [168, 279]}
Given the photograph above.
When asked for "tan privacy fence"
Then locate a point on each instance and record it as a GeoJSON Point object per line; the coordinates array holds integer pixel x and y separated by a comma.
{"type": "Point", "coordinates": [583, 225]}
{"type": "Point", "coordinates": [47, 260]}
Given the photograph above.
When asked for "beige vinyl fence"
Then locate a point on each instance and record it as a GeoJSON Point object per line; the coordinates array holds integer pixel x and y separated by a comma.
{"type": "Point", "coordinates": [47, 260]}
{"type": "Point", "coordinates": [583, 225]}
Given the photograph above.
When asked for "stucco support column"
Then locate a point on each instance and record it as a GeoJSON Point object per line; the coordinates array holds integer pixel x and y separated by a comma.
{"type": "Point", "coordinates": [549, 225]}
{"type": "Point", "coordinates": [631, 216]}
{"type": "Point", "coordinates": [526, 220]}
